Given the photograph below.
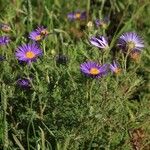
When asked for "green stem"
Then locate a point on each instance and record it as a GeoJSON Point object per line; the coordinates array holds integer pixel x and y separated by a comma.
{"type": "Point", "coordinates": [88, 8]}
{"type": "Point", "coordinates": [87, 88]}
{"type": "Point", "coordinates": [44, 46]}
{"type": "Point", "coordinates": [28, 132]}
{"type": "Point", "coordinates": [125, 60]}
{"type": "Point", "coordinates": [90, 92]}
{"type": "Point", "coordinates": [4, 104]}
{"type": "Point", "coordinates": [30, 14]}
{"type": "Point", "coordinates": [101, 8]}
{"type": "Point", "coordinates": [105, 55]}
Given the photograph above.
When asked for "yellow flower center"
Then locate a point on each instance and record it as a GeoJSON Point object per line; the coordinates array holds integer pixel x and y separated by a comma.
{"type": "Point", "coordinates": [131, 45]}
{"type": "Point", "coordinates": [104, 25]}
{"type": "Point", "coordinates": [77, 15]}
{"type": "Point", "coordinates": [30, 54]}
{"type": "Point", "coordinates": [94, 71]}
{"type": "Point", "coordinates": [38, 37]}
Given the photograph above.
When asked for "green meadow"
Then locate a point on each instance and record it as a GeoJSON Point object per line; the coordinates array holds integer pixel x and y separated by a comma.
{"type": "Point", "coordinates": [61, 107]}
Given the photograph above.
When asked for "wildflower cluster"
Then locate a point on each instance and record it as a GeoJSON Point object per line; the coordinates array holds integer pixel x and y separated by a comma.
{"type": "Point", "coordinates": [129, 42]}
{"type": "Point", "coordinates": [26, 52]}
{"type": "Point", "coordinates": [31, 51]}
{"type": "Point", "coordinates": [77, 82]}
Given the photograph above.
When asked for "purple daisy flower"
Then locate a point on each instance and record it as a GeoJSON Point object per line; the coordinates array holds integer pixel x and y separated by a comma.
{"type": "Point", "coordinates": [5, 27]}
{"type": "Point", "coordinates": [35, 36]}
{"type": "Point", "coordinates": [4, 40]}
{"type": "Point", "coordinates": [24, 83]}
{"type": "Point", "coordinates": [92, 69]}
{"type": "Point", "coordinates": [78, 15]}
{"type": "Point", "coordinates": [38, 34]}
{"type": "Point", "coordinates": [114, 67]}
{"type": "Point", "coordinates": [100, 42]}
{"type": "Point", "coordinates": [130, 41]}
{"type": "Point", "coordinates": [28, 52]}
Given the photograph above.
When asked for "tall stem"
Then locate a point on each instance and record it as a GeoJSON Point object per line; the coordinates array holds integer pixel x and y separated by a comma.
{"type": "Point", "coordinates": [4, 104]}
{"type": "Point", "coordinates": [88, 8]}
{"type": "Point", "coordinates": [90, 92]}
{"type": "Point", "coordinates": [125, 59]}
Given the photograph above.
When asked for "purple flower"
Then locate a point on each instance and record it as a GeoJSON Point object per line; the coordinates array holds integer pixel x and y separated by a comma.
{"type": "Point", "coordinates": [42, 31]}
{"type": "Point", "coordinates": [4, 40]}
{"type": "Point", "coordinates": [92, 69]}
{"type": "Point", "coordinates": [38, 34]}
{"type": "Point", "coordinates": [35, 36]}
{"type": "Point", "coordinates": [24, 83]}
{"type": "Point", "coordinates": [5, 27]}
{"type": "Point", "coordinates": [102, 22]}
{"type": "Point", "coordinates": [100, 42]}
{"type": "Point", "coordinates": [130, 41]}
{"type": "Point", "coordinates": [114, 67]}
{"type": "Point", "coordinates": [28, 52]}
{"type": "Point", "coordinates": [98, 22]}
{"type": "Point", "coordinates": [78, 15]}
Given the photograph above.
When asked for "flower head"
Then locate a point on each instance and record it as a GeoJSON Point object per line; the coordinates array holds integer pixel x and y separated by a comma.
{"type": "Point", "coordinates": [130, 41]}
{"type": "Point", "coordinates": [4, 40]}
{"type": "Point", "coordinates": [78, 15]}
{"type": "Point", "coordinates": [35, 36]}
{"type": "Point", "coordinates": [115, 68]}
{"type": "Point", "coordinates": [100, 42]}
{"type": "Point", "coordinates": [38, 34]}
{"type": "Point", "coordinates": [5, 27]}
{"type": "Point", "coordinates": [28, 52]}
{"type": "Point", "coordinates": [135, 55]}
{"type": "Point", "coordinates": [42, 31]}
{"type": "Point", "coordinates": [102, 22]}
{"type": "Point", "coordinates": [24, 83]}
{"type": "Point", "coordinates": [90, 24]}
{"type": "Point", "coordinates": [92, 69]}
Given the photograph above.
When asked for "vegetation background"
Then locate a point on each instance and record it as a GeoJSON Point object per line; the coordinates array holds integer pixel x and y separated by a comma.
{"type": "Point", "coordinates": [63, 110]}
